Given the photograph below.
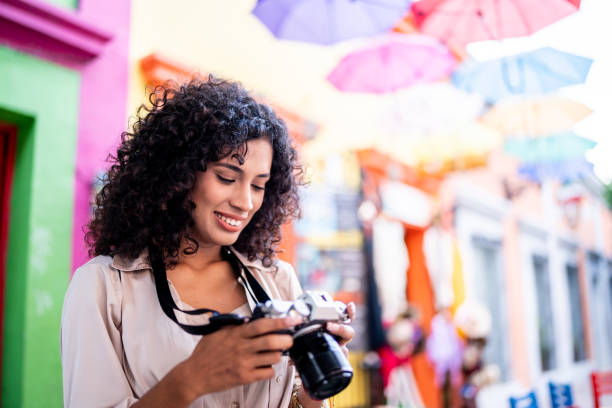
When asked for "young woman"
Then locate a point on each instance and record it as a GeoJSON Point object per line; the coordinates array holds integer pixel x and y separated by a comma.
{"type": "Point", "coordinates": [207, 176]}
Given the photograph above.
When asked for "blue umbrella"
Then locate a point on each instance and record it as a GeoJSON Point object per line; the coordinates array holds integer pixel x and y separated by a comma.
{"type": "Point", "coordinates": [536, 72]}
{"type": "Point", "coordinates": [329, 21]}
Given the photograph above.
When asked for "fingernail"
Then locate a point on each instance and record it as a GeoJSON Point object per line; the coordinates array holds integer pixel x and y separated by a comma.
{"type": "Point", "coordinates": [293, 320]}
{"type": "Point", "coordinates": [332, 326]}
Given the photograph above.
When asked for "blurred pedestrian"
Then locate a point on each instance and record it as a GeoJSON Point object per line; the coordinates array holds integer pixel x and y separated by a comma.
{"type": "Point", "coordinates": [194, 199]}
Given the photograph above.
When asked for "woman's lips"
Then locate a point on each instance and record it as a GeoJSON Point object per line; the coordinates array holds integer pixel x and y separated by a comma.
{"type": "Point", "coordinates": [229, 223]}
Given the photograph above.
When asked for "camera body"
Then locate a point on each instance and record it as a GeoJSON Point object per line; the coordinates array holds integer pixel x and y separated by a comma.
{"type": "Point", "coordinates": [316, 354]}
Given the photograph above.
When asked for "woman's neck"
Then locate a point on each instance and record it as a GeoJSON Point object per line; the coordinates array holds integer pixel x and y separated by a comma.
{"type": "Point", "coordinates": [205, 256]}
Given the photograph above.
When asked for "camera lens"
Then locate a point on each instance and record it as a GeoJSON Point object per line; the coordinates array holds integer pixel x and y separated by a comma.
{"type": "Point", "coordinates": [323, 367]}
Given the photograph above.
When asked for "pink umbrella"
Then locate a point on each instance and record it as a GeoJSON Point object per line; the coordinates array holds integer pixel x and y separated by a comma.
{"type": "Point", "coordinates": [459, 22]}
{"type": "Point", "coordinates": [398, 62]}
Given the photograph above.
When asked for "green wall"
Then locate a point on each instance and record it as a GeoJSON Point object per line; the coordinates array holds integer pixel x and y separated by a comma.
{"type": "Point", "coordinates": [69, 4]}
{"type": "Point", "coordinates": [41, 98]}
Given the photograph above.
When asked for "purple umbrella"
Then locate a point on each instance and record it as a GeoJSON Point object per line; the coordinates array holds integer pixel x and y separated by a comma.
{"type": "Point", "coordinates": [329, 21]}
{"type": "Point", "coordinates": [397, 63]}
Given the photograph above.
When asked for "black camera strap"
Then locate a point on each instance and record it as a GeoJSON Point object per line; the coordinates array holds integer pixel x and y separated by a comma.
{"type": "Point", "coordinates": [216, 320]}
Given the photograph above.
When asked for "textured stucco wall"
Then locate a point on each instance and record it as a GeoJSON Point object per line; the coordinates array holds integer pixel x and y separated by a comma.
{"type": "Point", "coordinates": [41, 98]}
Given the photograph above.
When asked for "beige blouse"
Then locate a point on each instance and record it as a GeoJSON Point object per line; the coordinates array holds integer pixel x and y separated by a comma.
{"type": "Point", "coordinates": [117, 343]}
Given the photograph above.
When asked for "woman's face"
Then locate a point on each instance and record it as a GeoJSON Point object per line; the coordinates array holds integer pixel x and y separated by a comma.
{"type": "Point", "coordinates": [228, 193]}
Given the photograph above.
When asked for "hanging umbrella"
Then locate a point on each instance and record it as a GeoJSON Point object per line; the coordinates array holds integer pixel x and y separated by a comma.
{"type": "Point", "coordinates": [444, 150]}
{"type": "Point", "coordinates": [329, 21]}
{"type": "Point", "coordinates": [459, 22]}
{"type": "Point", "coordinates": [552, 148]}
{"type": "Point", "coordinates": [535, 117]}
{"type": "Point", "coordinates": [398, 62]}
{"type": "Point", "coordinates": [425, 107]}
{"type": "Point", "coordinates": [563, 170]}
{"type": "Point", "coordinates": [535, 72]}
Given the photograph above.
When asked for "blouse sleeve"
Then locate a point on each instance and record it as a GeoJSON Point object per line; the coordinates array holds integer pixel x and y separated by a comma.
{"type": "Point", "coordinates": [91, 347]}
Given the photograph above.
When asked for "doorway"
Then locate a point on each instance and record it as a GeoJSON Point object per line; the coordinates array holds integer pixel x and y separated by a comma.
{"type": "Point", "coordinates": [8, 142]}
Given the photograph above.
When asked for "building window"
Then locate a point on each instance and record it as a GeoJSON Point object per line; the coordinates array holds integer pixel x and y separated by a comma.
{"type": "Point", "coordinates": [575, 300]}
{"type": "Point", "coordinates": [544, 315]}
{"type": "Point", "coordinates": [600, 313]}
{"type": "Point", "coordinates": [490, 289]}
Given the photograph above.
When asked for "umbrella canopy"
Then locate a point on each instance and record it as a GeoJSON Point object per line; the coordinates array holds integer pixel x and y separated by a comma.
{"type": "Point", "coordinates": [443, 150]}
{"type": "Point", "coordinates": [563, 170]}
{"type": "Point", "coordinates": [398, 62]}
{"type": "Point", "coordinates": [329, 21]}
{"type": "Point", "coordinates": [535, 117]}
{"type": "Point", "coordinates": [424, 107]}
{"type": "Point", "coordinates": [553, 148]}
{"type": "Point", "coordinates": [459, 22]}
{"type": "Point", "coordinates": [535, 72]}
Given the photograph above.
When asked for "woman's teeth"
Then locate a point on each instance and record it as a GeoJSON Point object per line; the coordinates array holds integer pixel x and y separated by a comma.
{"type": "Point", "coordinates": [230, 221]}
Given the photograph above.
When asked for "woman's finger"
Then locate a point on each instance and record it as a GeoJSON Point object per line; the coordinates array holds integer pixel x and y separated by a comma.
{"type": "Point", "coordinates": [267, 325]}
{"type": "Point", "coordinates": [344, 331]}
{"type": "Point", "coordinates": [350, 308]}
{"type": "Point", "coordinates": [266, 358]}
{"type": "Point", "coordinates": [270, 342]}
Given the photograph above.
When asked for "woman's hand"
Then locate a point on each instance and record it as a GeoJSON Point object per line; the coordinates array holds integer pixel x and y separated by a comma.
{"type": "Point", "coordinates": [344, 331]}
{"type": "Point", "coordinates": [237, 355]}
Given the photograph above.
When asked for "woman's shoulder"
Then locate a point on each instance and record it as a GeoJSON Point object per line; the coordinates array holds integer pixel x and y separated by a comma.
{"type": "Point", "coordinates": [96, 277]}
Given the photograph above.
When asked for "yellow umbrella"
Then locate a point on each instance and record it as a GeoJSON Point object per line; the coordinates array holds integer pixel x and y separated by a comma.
{"type": "Point", "coordinates": [444, 150]}
{"type": "Point", "coordinates": [535, 117]}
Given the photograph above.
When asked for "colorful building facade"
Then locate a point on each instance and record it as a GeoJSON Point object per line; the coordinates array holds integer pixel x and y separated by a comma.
{"type": "Point", "coordinates": [63, 82]}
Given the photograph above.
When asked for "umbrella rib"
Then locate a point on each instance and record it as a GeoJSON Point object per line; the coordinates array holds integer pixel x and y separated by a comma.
{"type": "Point", "coordinates": [380, 3]}
{"type": "Point", "coordinates": [449, 30]}
{"type": "Point", "coordinates": [545, 69]}
{"type": "Point", "coordinates": [330, 23]}
{"type": "Point", "coordinates": [522, 15]}
{"type": "Point", "coordinates": [373, 17]}
{"type": "Point", "coordinates": [520, 86]}
{"type": "Point", "coordinates": [488, 30]}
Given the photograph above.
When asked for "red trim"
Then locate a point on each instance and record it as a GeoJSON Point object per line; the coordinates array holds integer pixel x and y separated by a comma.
{"type": "Point", "coordinates": [8, 144]}
{"type": "Point", "coordinates": [602, 385]}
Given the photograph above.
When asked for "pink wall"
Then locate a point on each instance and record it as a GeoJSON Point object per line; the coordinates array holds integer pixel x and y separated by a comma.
{"type": "Point", "coordinates": [102, 108]}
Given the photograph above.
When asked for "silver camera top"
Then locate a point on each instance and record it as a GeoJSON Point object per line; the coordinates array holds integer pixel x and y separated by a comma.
{"type": "Point", "coordinates": [310, 305]}
{"type": "Point", "coordinates": [323, 307]}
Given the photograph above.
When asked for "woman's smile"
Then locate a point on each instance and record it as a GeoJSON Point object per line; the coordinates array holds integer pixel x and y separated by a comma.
{"type": "Point", "coordinates": [228, 222]}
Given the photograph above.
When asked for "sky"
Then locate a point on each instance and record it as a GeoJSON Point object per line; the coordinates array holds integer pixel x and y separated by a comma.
{"type": "Point", "coordinates": [587, 33]}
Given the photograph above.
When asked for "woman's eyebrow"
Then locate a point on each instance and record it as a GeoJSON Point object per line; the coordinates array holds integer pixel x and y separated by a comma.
{"type": "Point", "coordinates": [239, 170]}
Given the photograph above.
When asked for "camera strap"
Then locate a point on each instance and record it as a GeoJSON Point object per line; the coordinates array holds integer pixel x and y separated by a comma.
{"type": "Point", "coordinates": [216, 320]}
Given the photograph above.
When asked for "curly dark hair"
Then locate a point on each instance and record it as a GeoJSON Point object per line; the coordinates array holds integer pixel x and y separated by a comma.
{"type": "Point", "coordinates": [145, 199]}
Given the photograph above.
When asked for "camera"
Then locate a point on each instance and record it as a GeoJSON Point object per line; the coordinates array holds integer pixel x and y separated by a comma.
{"type": "Point", "coordinates": [316, 354]}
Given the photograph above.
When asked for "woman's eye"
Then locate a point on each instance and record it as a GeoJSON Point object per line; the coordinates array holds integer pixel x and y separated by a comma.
{"type": "Point", "coordinates": [258, 188]}
{"type": "Point", "coordinates": [225, 180]}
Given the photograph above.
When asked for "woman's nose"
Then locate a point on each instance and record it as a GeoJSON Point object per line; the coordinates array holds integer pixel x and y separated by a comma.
{"type": "Point", "coordinates": [242, 198]}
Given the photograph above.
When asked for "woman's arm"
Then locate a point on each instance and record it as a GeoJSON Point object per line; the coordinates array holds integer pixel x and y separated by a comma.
{"type": "Point", "coordinates": [92, 351]}
{"type": "Point", "coordinates": [171, 391]}
{"type": "Point", "coordinates": [222, 360]}
{"type": "Point", "coordinates": [91, 346]}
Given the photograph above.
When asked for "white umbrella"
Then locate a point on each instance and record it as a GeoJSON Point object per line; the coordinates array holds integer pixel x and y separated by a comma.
{"type": "Point", "coordinates": [426, 107]}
